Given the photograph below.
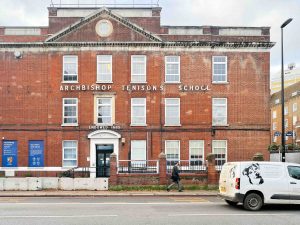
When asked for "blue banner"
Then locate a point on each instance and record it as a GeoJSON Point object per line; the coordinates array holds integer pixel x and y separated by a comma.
{"type": "Point", "coordinates": [9, 154]}
{"type": "Point", "coordinates": [36, 153]}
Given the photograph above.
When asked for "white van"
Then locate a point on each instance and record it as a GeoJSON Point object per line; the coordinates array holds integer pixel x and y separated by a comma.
{"type": "Point", "coordinates": [256, 183]}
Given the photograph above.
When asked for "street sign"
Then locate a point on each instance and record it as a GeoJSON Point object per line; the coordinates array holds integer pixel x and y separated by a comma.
{"type": "Point", "coordinates": [277, 133]}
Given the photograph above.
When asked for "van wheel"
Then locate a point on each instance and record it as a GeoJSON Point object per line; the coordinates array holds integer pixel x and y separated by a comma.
{"type": "Point", "coordinates": [253, 202]}
{"type": "Point", "coordinates": [231, 202]}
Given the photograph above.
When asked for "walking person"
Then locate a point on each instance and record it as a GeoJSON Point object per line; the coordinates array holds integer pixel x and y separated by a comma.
{"type": "Point", "coordinates": [175, 178]}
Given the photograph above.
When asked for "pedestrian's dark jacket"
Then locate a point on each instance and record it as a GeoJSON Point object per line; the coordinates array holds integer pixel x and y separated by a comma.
{"type": "Point", "coordinates": [175, 174]}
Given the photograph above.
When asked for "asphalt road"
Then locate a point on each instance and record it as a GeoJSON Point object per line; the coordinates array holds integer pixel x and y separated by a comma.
{"type": "Point", "coordinates": [138, 210]}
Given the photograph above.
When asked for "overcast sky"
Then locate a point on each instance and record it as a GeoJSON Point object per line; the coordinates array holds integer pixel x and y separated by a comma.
{"type": "Point", "coordinates": [191, 12]}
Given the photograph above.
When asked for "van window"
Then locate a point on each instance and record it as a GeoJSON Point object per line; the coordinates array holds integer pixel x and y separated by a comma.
{"type": "Point", "coordinates": [294, 172]}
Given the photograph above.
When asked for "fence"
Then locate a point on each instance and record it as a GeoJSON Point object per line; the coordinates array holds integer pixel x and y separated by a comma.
{"type": "Point", "coordinates": [187, 166]}
{"type": "Point", "coordinates": [138, 166]}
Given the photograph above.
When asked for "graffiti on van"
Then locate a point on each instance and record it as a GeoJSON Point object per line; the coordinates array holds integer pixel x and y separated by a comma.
{"type": "Point", "coordinates": [253, 174]}
{"type": "Point", "coordinates": [232, 172]}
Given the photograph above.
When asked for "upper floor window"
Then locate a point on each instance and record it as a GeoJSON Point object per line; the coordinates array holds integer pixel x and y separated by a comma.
{"type": "Point", "coordinates": [138, 111]}
{"type": "Point", "coordinates": [274, 114]}
{"type": "Point", "coordinates": [172, 112]}
{"type": "Point", "coordinates": [294, 120]}
{"type": "Point", "coordinates": [219, 111]}
{"type": "Point", "coordinates": [70, 153]}
{"type": "Point", "coordinates": [295, 107]}
{"type": "Point", "coordinates": [138, 69]}
{"type": "Point", "coordinates": [277, 101]}
{"type": "Point", "coordinates": [104, 110]}
{"type": "Point", "coordinates": [70, 111]}
{"type": "Point", "coordinates": [172, 69]}
{"type": "Point", "coordinates": [104, 68]}
{"type": "Point", "coordinates": [196, 152]}
{"type": "Point", "coordinates": [286, 110]}
{"type": "Point", "coordinates": [274, 126]}
{"type": "Point", "coordinates": [70, 68]}
{"type": "Point", "coordinates": [286, 123]}
{"type": "Point", "coordinates": [219, 69]}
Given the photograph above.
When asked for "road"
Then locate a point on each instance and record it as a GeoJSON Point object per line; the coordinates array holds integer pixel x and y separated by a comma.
{"type": "Point", "coordinates": [140, 210]}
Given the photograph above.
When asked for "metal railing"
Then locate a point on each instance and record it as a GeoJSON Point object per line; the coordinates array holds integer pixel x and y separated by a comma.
{"type": "Point", "coordinates": [187, 166]}
{"type": "Point", "coordinates": [138, 166]}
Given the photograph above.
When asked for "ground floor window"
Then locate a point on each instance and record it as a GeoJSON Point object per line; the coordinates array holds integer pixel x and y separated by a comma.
{"type": "Point", "coordinates": [172, 149]}
{"type": "Point", "coordinates": [196, 149]}
{"type": "Point", "coordinates": [138, 151]}
{"type": "Point", "coordinates": [70, 153]}
{"type": "Point", "coordinates": [219, 148]}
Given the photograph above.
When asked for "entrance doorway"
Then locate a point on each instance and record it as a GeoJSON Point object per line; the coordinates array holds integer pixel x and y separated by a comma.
{"type": "Point", "coordinates": [103, 152]}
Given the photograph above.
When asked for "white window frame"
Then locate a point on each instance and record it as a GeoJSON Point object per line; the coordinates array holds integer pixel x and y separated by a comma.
{"type": "Point", "coordinates": [145, 69]}
{"type": "Point", "coordinates": [226, 147]}
{"type": "Point", "coordinates": [295, 107]}
{"type": "Point", "coordinates": [111, 109]}
{"type": "Point", "coordinates": [213, 69]}
{"type": "Point", "coordinates": [286, 123]}
{"type": "Point", "coordinates": [63, 112]}
{"type": "Point", "coordinates": [277, 101]}
{"type": "Point", "coordinates": [178, 116]}
{"type": "Point", "coordinates": [294, 120]}
{"type": "Point", "coordinates": [109, 62]}
{"type": "Point", "coordinates": [190, 148]}
{"type": "Point", "coordinates": [286, 110]}
{"type": "Point", "coordinates": [63, 72]}
{"type": "Point", "coordinates": [226, 111]}
{"type": "Point", "coordinates": [274, 125]}
{"type": "Point", "coordinates": [166, 150]}
{"type": "Point", "coordinates": [63, 155]}
{"type": "Point", "coordinates": [172, 63]}
{"type": "Point", "coordinates": [145, 112]}
{"type": "Point", "coordinates": [143, 160]}
{"type": "Point", "coordinates": [274, 114]}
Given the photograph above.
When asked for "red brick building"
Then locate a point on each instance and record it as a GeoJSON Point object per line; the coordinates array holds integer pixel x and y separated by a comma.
{"type": "Point", "coordinates": [98, 80]}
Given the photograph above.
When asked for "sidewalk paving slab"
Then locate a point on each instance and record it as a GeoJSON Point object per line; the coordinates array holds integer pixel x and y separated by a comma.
{"type": "Point", "coordinates": [58, 193]}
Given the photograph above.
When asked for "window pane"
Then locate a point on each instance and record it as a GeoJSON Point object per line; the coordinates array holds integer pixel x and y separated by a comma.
{"type": "Point", "coordinates": [172, 150]}
{"type": "Point", "coordinates": [138, 150]}
{"type": "Point", "coordinates": [104, 110]}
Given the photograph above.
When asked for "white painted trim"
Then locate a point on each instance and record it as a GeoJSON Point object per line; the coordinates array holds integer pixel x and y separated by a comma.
{"type": "Point", "coordinates": [203, 152]}
{"type": "Point", "coordinates": [97, 65]}
{"type": "Point", "coordinates": [63, 113]}
{"type": "Point", "coordinates": [221, 63]}
{"type": "Point", "coordinates": [63, 72]}
{"type": "Point", "coordinates": [212, 147]}
{"type": "Point", "coordinates": [177, 63]}
{"type": "Point", "coordinates": [102, 137]}
{"type": "Point", "coordinates": [226, 111]}
{"type": "Point", "coordinates": [69, 49]}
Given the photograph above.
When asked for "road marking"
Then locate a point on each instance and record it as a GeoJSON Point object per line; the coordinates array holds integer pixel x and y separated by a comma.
{"type": "Point", "coordinates": [229, 214]}
{"type": "Point", "coordinates": [188, 199]}
{"type": "Point", "coordinates": [62, 216]}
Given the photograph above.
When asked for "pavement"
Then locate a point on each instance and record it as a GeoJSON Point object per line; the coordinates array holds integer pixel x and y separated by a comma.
{"type": "Point", "coordinates": [59, 193]}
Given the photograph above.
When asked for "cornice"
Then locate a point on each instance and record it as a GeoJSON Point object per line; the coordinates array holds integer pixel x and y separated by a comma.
{"type": "Point", "coordinates": [187, 44]}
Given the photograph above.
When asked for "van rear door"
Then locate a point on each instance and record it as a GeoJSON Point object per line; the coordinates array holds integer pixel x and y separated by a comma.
{"type": "Point", "coordinates": [294, 183]}
{"type": "Point", "coordinates": [228, 176]}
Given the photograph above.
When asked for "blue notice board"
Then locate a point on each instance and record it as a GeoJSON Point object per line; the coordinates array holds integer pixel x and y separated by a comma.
{"type": "Point", "coordinates": [36, 153]}
{"type": "Point", "coordinates": [9, 153]}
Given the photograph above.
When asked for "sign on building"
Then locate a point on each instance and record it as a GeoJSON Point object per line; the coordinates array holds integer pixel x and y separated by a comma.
{"type": "Point", "coordinates": [9, 154]}
{"type": "Point", "coordinates": [36, 153]}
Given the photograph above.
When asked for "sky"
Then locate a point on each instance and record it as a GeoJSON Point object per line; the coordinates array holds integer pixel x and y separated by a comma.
{"type": "Point", "coordinates": [270, 13]}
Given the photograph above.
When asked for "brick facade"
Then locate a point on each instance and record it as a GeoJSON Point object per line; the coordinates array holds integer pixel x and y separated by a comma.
{"type": "Point", "coordinates": [31, 95]}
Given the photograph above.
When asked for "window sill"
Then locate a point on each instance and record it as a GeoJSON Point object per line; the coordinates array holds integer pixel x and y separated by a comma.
{"type": "Point", "coordinates": [223, 82]}
{"type": "Point", "coordinates": [70, 125]}
{"type": "Point", "coordinates": [104, 124]}
{"type": "Point", "coordinates": [220, 125]}
{"type": "Point", "coordinates": [70, 82]}
{"type": "Point", "coordinates": [175, 82]}
{"type": "Point", "coordinates": [145, 82]}
{"type": "Point", "coordinates": [138, 125]}
{"type": "Point", "coordinates": [172, 125]}
{"type": "Point", "coordinates": [104, 82]}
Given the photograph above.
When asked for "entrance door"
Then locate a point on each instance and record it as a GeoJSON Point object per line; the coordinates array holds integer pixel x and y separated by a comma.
{"type": "Point", "coordinates": [103, 160]}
